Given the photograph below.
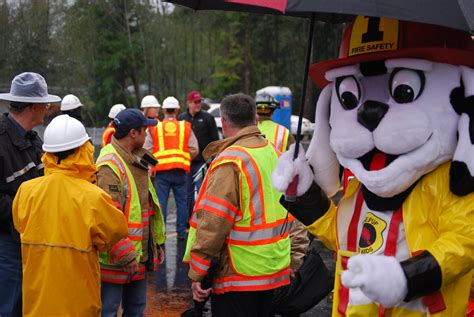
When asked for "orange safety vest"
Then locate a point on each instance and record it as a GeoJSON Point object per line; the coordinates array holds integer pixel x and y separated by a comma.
{"type": "Point", "coordinates": [170, 145]}
{"type": "Point", "coordinates": [108, 133]}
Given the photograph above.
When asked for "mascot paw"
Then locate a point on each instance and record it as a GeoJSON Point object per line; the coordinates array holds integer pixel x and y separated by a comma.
{"type": "Point", "coordinates": [380, 277]}
{"type": "Point", "coordinates": [287, 168]}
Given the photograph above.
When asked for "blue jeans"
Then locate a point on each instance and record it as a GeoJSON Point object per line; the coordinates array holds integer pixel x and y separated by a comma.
{"type": "Point", "coordinates": [10, 276]}
{"type": "Point", "coordinates": [131, 295]}
{"type": "Point", "coordinates": [174, 179]}
{"type": "Point", "coordinates": [193, 187]}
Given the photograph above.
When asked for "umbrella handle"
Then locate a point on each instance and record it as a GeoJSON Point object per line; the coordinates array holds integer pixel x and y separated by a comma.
{"type": "Point", "coordinates": [290, 194]}
{"type": "Point", "coordinates": [309, 47]}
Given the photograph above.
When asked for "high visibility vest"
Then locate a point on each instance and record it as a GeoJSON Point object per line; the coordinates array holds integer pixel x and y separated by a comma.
{"type": "Point", "coordinates": [107, 136]}
{"type": "Point", "coordinates": [136, 220]}
{"type": "Point", "coordinates": [258, 244]}
{"type": "Point", "coordinates": [275, 133]}
{"type": "Point", "coordinates": [170, 145]}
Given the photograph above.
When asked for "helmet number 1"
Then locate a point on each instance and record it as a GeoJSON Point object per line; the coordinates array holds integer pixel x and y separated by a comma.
{"type": "Point", "coordinates": [373, 33]}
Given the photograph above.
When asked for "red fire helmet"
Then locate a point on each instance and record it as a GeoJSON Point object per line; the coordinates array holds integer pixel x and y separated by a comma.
{"type": "Point", "coordinates": [372, 39]}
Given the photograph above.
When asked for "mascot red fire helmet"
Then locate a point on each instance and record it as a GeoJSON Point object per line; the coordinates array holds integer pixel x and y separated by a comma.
{"type": "Point", "coordinates": [371, 39]}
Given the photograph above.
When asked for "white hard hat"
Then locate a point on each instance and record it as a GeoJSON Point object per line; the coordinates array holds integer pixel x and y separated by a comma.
{"type": "Point", "coordinates": [64, 133]}
{"type": "Point", "coordinates": [170, 103]}
{"type": "Point", "coordinates": [70, 102]}
{"type": "Point", "coordinates": [115, 109]}
{"type": "Point", "coordinates": [150, 102]}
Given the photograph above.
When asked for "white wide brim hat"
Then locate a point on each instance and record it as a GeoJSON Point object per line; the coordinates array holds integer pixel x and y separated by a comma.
{"type": "Point", "coordinates": [29, 87]}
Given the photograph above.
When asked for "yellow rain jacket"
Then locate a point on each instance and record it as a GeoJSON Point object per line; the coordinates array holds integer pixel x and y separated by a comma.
{"type": "Point", "coordinates": [63, 220]}
{"type": "Point", "coordinates": [434, 220]}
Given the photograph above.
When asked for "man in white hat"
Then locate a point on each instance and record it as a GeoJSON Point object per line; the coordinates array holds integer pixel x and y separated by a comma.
{"type": "Point", "coordinates": [20, 160]}
{"type": "Point", "coordinates": [151, 107]}
{"type": "Point", "coordinates": [64, 219]}
{"type": "Point", "coordinates": [110, 129]}
{"type": "Point", "coordinates": [174, 145]}
{"type": "Point", "coordinates": [71, 105]}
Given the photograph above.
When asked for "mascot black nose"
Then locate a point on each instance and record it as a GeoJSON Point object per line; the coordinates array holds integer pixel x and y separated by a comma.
{"type": "Point", "coordinates": [371, 113]}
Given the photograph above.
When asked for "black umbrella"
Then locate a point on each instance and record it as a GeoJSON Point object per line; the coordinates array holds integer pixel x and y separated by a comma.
{"type": "Point", "coordinates": [450, 13]}
{"type": "Point", "coordinates": [455, 14]}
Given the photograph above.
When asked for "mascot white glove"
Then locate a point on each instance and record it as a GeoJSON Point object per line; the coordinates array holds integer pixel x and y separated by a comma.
{"type": "Point", "coordinates": [287, 168]}
{"type": "Point", "coordinates": [380, 278]}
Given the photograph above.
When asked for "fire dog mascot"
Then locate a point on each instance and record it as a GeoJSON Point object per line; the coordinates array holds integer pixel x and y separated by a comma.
{"type": "Point", "coordinates": [397, 111]}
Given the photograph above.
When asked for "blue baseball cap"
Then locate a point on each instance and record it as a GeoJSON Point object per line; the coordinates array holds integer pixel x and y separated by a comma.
{"type": "Point", "coordinates": [132, 119]}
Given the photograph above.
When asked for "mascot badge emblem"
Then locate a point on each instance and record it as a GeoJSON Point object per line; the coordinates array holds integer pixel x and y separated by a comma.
{"type": "Point", "coordinates": [397, 112]}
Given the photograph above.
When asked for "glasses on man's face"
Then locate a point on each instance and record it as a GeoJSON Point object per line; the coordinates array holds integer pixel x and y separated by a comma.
{"type": "Point", "coordinates": [197, 101]}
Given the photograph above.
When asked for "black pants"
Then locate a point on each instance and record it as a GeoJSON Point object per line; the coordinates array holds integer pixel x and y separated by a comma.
{"type": "Point", "coordinates": [242, 304]}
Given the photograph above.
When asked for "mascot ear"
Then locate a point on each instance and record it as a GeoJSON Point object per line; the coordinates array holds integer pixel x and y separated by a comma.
{"type": "Point", "coordinates": [461, 173]}
{"type": "Point", "coordinates": [320, 155]}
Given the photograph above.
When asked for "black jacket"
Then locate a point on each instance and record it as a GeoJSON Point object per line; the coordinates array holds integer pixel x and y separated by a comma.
{"type": "Point", "coordinates": [20, 160]}
{"type": "Point", "coordinates": [205, 129]}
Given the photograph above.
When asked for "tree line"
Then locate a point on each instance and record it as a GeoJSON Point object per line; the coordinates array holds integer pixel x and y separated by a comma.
{"type": "Point", "coordinates": [117, 51]}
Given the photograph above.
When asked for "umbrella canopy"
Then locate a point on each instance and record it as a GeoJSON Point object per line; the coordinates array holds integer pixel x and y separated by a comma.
{"type": "Point", "coordinates": [454, 14]}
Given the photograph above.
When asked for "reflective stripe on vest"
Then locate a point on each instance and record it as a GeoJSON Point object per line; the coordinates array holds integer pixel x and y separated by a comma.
{"type": "Point", "coordinates": [275, 133]}
{"type": "Point", "coordinates": [243, 283]}
{"type": "Point", "coordinates": [107, 136]}
{"type": "Point", "coordinates": [253, 236]}
{"type": "Point", "coordinates": [170, 139]}
{"type": "Point", "coordinates": [116, 275]}
{"type": "Point", "coordinates": [200, 265]}
{"type": "Point", "coordinates": [218, 207]}
{"type": "Point", "coordinates": [280, 138]}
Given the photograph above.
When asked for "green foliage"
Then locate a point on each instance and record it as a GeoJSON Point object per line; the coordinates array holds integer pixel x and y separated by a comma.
{"type": "Point", "coordinates": [109, 52]}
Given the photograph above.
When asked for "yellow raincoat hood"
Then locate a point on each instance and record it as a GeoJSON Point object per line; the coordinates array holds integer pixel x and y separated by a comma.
{"type": "Point", "coordinates": [80, 164]}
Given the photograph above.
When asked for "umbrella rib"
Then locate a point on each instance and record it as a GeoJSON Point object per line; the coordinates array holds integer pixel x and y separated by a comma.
{"type": "Point", "coordinates": [467, 8]}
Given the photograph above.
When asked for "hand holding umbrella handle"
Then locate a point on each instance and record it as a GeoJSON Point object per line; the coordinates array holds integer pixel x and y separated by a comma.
{"type": "Point", "coordinates": [290, 194]}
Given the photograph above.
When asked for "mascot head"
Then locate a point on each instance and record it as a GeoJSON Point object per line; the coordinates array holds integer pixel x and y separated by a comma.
{"type": "Point", "coordinates": [394, 106]}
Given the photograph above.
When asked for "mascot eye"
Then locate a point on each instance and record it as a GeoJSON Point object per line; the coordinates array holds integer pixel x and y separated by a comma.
{"type": "Point", "coordinates": [348, 92]}
{"type": "Point", "coordinates": [406, 85]}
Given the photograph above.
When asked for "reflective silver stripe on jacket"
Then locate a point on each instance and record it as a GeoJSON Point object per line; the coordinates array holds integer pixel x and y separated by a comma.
{"type": "Point", "coordinates": [280, 138]}
{"type": "Point", "coordinates": [206, 202]}
{"type": "Point", "coordinates": [199, 265]}
{"type": "Point", "coordinates": [135, 232]}
{"type": "Point", "coordinates": [247, 283]}
{"type": "Point", "coordinates": [260, 234]}
{"type": "Point", "coordinates": [252, 172]}
{"type": "Point", "coordinates": [22, 171]}
{"type": "Point", "coordinates": [117, 251]}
